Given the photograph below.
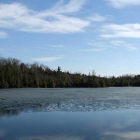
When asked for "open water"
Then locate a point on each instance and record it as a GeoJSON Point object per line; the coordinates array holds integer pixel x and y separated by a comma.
{"type": "Point", "coordinates": [70, 114]}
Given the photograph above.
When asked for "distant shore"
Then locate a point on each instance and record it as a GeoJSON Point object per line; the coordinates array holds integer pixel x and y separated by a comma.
{"type": "Point", "coordinates": [15, 74]}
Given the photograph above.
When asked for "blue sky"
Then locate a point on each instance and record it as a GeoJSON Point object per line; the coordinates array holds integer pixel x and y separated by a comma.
{"type": "Point", "coordinates": [77, 35]}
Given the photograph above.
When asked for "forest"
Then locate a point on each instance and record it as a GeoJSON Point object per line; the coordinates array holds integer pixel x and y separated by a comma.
{"type": "Point", "coordinates": [15, 74]}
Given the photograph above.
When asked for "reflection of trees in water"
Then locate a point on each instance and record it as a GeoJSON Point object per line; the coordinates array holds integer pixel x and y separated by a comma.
{"type": "Point", "coordinates": [58, 104]}
{"type": "Point", "coordinates": [35, 107]}
{"type": "Point", "coordinates": [10, 113]}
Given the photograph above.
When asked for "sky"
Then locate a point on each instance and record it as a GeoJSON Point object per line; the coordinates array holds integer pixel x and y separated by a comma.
{"type": "Point", "coordinates": [77, 35]}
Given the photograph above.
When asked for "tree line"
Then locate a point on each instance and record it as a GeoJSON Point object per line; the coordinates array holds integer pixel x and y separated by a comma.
{"type": "Point", "coordinates": [15, 74]}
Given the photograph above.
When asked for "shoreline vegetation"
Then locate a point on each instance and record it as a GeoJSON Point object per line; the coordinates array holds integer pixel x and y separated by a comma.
{"type": "Point", "coordinates": [15, 74]}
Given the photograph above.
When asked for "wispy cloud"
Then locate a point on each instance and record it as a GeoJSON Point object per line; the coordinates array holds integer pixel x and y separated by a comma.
{"type": "Point", "coordinates": [47, 59]}
{"type": "Point", "coordinates": [113, 44]}
{"type": "Point", "coordinates": [4, 49]}
{"type": "Point", "coordinates": [121, 43]}
{"type": "Point", "coordinates": [24, 51]}
{"type": "Point", "coordinates": [96, 17]}
{"type": "Point", "coordinates": [3, 35]}
{"type": "Point", "coordinates": [19, 17]}
{"type": "Point", "coordinates": [98, 44]}
{"type": "Point", "coordinates": [124, 30]}
{"type": "Point", "coordinates": [56, 46]}
{"type": "Point", "coordinates": [92, 50]}
{"type": "Point", "coordinates": [131, 48]}
{"type": "Point", "coordinates": [123, 3]}
{"type": "Point", "coordinates": [72, 6]}
{"type": "Point", "coordinates": [117, 42]}
{"type": "Point", "coordinates": [112, 66]}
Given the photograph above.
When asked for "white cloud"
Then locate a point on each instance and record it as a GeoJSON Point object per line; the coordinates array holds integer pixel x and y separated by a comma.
{"type": "Point", "coordinates": [47, 59]}
{"type": "Point", "coordinates": [19, 17]}
{"type": "Point", "coordinates": [124, 30]}
{"type": "Point", "coordinates": [72, 6]}
{"type": "Point", "coordinates": [96, 17]}
{"type": "Point", "coordinates": [3, 35]}
{"type": "Point", "coordinates": [123, 3]}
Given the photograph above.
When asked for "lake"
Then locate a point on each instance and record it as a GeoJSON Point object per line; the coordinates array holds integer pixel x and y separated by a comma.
{"type": "Point", "coordinates": [70, 114]}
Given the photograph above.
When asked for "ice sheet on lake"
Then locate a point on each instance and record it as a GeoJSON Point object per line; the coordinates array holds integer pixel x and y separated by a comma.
{"type": "Point", "coordinates": [71, 99]}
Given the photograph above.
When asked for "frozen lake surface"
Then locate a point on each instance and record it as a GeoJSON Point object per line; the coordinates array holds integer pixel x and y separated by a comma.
{"type": "Point", "coordinates": [70, 114]}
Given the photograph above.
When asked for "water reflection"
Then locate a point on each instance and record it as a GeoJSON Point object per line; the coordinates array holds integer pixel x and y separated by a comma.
{"type": "Point", "coordinates": [122, 135]}
{"type": "Point", "coordinates": [84, 114]}
{"type": "Point", "coordinates": [105, 136]}
{"type": "Point", "coordinates": [52, 138]}
{"type": "Point", "coordinates": [10, 113]}
{"type": "Point", "coordinates": [125, 124]}
{"type": "Point", "coordinates": [99, 125]}
{"type": "Point", "coordinates": [2, 133]}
